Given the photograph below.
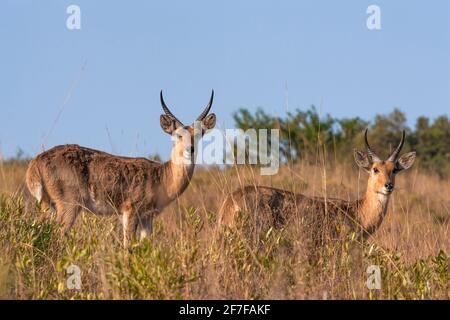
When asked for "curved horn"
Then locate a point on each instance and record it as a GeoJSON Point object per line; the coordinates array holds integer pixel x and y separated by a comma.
{"type": "Point", "coordinates": [370, 152]}
{"type": "Point", "coordinates": [393, 157]}
{"type": "Point", "coordinates": [208, 107]}
{"type": "Point", "coordinates": [166, 109]}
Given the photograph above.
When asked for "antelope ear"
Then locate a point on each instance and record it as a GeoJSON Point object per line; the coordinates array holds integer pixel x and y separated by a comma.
{"type": "Point", "coordinates": [362, 160]}
{"type": "Point", "coordinates": [167, 123]}
{"type": "Point", "coordinates": [209, 122]}
{"type": "Point", "coordinates": [405, 161]}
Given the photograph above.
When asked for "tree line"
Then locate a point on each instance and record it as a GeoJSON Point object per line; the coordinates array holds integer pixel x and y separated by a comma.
{"type": "Point", "coordinates": [304, 133]}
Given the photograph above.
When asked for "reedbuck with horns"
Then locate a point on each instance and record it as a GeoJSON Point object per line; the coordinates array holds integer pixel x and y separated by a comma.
{"type": "Point", "coordinates": [71, 178]}
{"type": "Point", "coordinates": [266, 205]}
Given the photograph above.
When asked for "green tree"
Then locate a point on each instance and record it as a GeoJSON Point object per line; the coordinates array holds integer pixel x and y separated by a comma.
{"type": "Point", "coordinates": [303, 133]}
{"type": "Point", "coordinates": [432, 143]}
{"type": "Point", "coordinates": [385, 133]}
{"type": "Point", "coordinates": [349, 135]}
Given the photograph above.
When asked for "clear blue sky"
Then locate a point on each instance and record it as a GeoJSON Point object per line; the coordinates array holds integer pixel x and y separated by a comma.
{"type": "Point", "coordinates": [246, 50]}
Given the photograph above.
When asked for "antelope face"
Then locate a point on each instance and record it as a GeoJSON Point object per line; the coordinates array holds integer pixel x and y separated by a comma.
{"type": "Point", "coordinates": [382, 177]}
{"type": "Point", "coordinates": [382, 173]}
{"type": "Point", "coordinates": [184, 144]}
{"type": "Point", "coordinates": [186, 137]}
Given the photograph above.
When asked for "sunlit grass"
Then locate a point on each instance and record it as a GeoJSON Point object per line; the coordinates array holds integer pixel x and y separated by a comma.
{"type": "Point", "coordinates": [189, 257]}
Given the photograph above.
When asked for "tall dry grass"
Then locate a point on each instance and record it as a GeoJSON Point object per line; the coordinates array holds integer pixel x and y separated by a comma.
{"type": "Point", "coordinates": [189, 257]}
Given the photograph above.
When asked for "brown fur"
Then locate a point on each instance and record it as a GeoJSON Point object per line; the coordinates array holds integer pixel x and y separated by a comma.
{"type": "Point", "coordinates": [71, 178]}
{"type": "Point", "coordinates": [74, 178]}
{"type": "Point", "coordinates": [321, 217]}
{"type": "Point", "coordinates": [275, 207]}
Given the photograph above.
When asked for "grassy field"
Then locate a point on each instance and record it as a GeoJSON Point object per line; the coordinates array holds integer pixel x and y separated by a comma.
{"type": "Point", "coordinates": [188, 257]}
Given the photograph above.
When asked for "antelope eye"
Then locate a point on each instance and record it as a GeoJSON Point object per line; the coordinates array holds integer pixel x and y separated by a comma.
{"type": "Point", "coordinates": [375, 170]}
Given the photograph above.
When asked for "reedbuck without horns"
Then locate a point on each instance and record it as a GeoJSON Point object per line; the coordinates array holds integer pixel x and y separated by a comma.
{"type": "Point", "coordinates": [71, 178]}
{"type": "Point", "coordinates": [277, 207]}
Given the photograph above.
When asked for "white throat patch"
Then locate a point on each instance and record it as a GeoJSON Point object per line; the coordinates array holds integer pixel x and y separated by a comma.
{"type": "Point", "coordinates": [383, 199]}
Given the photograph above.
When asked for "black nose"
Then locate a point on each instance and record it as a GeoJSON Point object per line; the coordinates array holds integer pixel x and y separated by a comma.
{"type": "Point", "coordinates": [389, 186]}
